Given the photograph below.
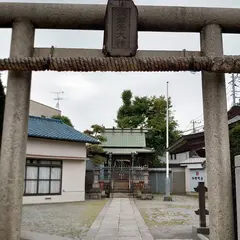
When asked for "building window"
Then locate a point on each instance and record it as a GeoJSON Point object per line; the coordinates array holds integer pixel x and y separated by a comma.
{"type": "Point", "coordinates": [43, 177]}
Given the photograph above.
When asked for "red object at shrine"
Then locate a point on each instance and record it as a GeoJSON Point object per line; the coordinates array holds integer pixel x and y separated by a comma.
{"type": "Point", "coordinates": [101, 185]}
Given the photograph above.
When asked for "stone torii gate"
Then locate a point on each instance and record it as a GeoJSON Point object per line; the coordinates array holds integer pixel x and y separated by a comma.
{"type": "Point", "coordinates": [24, 18]}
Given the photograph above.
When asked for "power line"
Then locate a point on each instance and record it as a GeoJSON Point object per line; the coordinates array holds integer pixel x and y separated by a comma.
{"type": "Point", "coordinates": [194, 126]}
{"type": "Point", "coordinates": [200, 117]}
{"type": "Point", "coordinates": [201, 127]}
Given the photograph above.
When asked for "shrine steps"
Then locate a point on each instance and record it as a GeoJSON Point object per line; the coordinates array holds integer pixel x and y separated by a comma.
{"type": "Point", "coordinates": [120, 195]}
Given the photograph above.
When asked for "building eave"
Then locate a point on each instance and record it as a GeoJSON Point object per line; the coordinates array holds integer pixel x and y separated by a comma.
{"type": "Point", "coordinates": [187, 143]}
{"type": "Point", "coordinates": [60, 139]}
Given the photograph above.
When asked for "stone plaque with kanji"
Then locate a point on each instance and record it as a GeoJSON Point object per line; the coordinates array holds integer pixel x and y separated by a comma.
{"type": "Point", "coordinates": [121, 33]}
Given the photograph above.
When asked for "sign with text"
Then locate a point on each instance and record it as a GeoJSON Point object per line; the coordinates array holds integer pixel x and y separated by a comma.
{"type": "Point", "coordinates": [196, 176]}
{"type": "Point", "coordinates": [121, 33]}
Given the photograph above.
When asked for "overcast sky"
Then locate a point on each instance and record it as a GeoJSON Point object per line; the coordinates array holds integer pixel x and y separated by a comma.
{"type": "Point", "coordinates": [91, 98]}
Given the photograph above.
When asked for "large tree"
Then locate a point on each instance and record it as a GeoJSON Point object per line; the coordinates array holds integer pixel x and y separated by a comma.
{"type": "Point", "coordinates": [95, 151]}
{"type": "Point", "coordinates": [64, 119]}
{"type": "Point", "coordinates": [234, 135]}
{"type": "Point", "coordinates": [148, 112]}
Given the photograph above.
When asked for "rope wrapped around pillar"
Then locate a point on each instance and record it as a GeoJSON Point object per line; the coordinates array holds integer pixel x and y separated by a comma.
{"type": "Point", "coordinates": [227, 64]}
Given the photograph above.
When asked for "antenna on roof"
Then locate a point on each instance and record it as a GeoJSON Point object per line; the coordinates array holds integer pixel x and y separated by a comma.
{"type": "Point", "coordinates": [58, 98]}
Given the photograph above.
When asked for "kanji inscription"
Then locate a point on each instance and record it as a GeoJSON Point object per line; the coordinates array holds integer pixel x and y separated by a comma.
{"type": "Point", "coordinates": [121, 28]}
{"type": "Point", "coordinates": [120, 34]}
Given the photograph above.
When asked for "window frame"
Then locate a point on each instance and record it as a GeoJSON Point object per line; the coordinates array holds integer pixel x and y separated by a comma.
{"type": "Point", "coordinates": [38, 165]}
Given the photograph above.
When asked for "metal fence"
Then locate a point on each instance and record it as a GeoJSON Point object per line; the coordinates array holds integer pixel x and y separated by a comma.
{"type": "Point", "coordinates": [157, 180]}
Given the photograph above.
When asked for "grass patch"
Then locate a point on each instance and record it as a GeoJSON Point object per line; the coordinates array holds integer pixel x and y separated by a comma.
{"type": "Point", "coordinates": [152, 222]}
{"type": "Point", "coordinates": [181, 206]}
{"type": "Point", "coordinates": [93, 208]}
{"type": "Point", "coordinates": [158, 217]}
{"type": "Point", "coordinates": [173, 222]}
{"type": "Point", "coordinates": [71, 220]}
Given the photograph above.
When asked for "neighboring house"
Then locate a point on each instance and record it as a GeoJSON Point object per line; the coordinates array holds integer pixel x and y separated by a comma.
{"type": "Point", "coordinates": [189, 152]}
{"type": "Point", "coordinates": [55, 162]}
{"type": "Point", "coordinates": [40, 110]}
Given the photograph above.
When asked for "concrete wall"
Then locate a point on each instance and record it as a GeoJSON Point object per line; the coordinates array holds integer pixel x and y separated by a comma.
{"type": "Point", "coordinates": [182, 156]}
{"type": "Point", "coordinates": [178, 180]}
{"type": "Point", "coordinates": [177, 177]}
{"type": "Point", "coordinates": [73, 185]}
{"type": "Point", "coordinates": [38, 109]}
{"type": "Point", "coordinates": [157, 180]}
{"type": "Point", "coordinates": [43, 147]}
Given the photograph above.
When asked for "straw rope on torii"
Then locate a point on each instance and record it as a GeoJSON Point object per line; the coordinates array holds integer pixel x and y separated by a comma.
{"type": "Point", "coordinates": [226, 64]}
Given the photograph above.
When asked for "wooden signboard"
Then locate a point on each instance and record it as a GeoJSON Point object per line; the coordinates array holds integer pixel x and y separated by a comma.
{"type": "Point", "coordinates": [121, 33]}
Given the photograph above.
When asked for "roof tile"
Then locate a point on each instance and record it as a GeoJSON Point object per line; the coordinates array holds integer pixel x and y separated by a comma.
{"type": "Point", "coordinates": [49, 128]}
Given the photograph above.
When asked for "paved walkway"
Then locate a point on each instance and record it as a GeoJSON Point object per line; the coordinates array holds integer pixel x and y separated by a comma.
{"type": "Point", "coordinates": [120, 219]}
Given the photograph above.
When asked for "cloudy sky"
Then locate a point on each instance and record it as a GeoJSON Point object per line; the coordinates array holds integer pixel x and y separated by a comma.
{"type": "Point", "coordinates": [91, 98]}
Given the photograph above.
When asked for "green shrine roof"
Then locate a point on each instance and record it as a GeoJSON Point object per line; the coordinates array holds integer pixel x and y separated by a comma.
{"type": "Point", "coordinates": [128, 138]}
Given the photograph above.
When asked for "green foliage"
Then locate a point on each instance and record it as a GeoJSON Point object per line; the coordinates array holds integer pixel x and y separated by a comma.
{"type": "Point", "coordinates": [64, 119]}
{"type": "Point", "coordinates": [234, 135]}
{"type": "Point", "coordinates": [94, 151]}
{"type": "Point", "coordinates": [126, 97]}
{"type": "Point", "coordinates": [97, 160]}
{"type": "Point", "coordinates": [2, 106]}
{"type": "Point", "coordinates": [149, 112]}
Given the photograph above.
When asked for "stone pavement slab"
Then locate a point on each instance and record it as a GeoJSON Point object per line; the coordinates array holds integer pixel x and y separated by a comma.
{"type": "Point", "coordinates": [120, 219]}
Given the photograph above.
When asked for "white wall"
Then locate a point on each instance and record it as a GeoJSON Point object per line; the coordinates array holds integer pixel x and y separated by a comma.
{"type": "Point", "coordinates": [177, 169]}
{"type": "Point", "coordinates": [38, 109]}
{"type": "Point", "coordinates": [182, 156]}
{"type": "Point", "coordinates": [188, 177]}
{"type": "Point", "coordinates": [39, 147]}
{"type": "Point", "coordinates": [73, 169]}
{"type": "Point", "coordinates": [205, 172]}
{"type": "Point", "coordinates": [73, 185]}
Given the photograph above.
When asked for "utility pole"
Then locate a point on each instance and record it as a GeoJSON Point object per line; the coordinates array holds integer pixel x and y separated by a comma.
{"type": "Point", "coordinates": [167, 196]}
{"type": "Point", "coordinates": [58, 98]}
{"type": "Point", "coordinates": [234, 85]}
{"type": "Point", "coordinates": [233, 90]}
{"type": "Point", "coordinates": [194, 126]}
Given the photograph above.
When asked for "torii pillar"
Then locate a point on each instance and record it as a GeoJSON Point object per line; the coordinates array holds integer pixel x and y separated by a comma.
{"type": "Point", "coordinates": [217, 140]}
{"type": "Point", "coordinates": [15, 132]}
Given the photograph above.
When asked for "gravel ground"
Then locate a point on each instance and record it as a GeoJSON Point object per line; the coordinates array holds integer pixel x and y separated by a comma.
{"type": "Point", "coordinates": [66, 219]}
{"type": "Point", "coordinates": [170, 220]}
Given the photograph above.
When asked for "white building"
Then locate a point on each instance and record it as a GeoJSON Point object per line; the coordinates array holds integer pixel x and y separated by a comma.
{"type": "Point", "coordinates": [55, 162]}
{"type": "Point", "coordinates": [189, 152]}
{"type": "Point", "coordinates": [195, 172]}
{"type": "Point", "coordinates": [40, 110]}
